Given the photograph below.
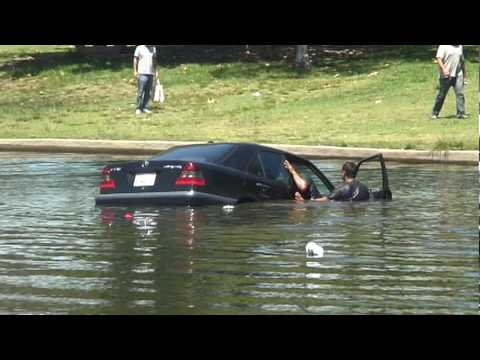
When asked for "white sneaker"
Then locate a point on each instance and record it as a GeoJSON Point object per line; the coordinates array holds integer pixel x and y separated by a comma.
{"type": "Point", "coordinates": [146, 111]}
{"type": "Point", "coordinates": [138, 112]}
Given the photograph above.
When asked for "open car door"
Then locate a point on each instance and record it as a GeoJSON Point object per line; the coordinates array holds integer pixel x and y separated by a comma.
{"type": "Point", "coordinates": [382, 192]}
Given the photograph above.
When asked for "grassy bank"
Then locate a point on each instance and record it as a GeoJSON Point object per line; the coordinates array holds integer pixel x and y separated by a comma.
{"type": "Point", "coordinates": [378, 99]}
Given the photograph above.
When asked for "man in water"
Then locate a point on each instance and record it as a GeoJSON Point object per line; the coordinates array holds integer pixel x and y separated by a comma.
{"type": "Point", "coordinates": [451, 63]}
{"type": "Point", "coordinates": [351, 190]}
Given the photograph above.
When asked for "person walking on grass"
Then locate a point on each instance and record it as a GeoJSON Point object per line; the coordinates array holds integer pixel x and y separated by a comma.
{"type": "Point", "coordinates": [451, 63]}
{"type": "Point", "coordinates": [145, 69]}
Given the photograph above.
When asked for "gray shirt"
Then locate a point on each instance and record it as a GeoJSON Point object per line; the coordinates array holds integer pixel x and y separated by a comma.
{"type": "Point", "coordinates": [146, 59]}
{"type": "Point", "coordinates": [453, 58]}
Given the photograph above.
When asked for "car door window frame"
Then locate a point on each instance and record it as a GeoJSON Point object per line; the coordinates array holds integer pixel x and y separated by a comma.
{"type": "Point", "coordinates": [258, 160]}
{"type": "Point", "coordinates": [282, 158]}
{"type": "Point", "coordinates": [327, 183]}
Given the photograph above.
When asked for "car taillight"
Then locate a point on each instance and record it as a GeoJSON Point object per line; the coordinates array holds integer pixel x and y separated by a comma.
{"type": "Point", "coordinates": [108, 183]}
{"type": "Point", "coordinates": [190, 167]}
{"type": "Point", "coordinates": [191, 176]}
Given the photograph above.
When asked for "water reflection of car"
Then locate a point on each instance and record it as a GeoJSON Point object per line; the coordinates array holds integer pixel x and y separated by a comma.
{"type": "Point", "coordinates": [210, 174]}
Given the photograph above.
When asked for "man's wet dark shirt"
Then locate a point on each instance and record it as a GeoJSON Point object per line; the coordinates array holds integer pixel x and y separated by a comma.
{"type": "Point", "coordinates": [354, 191]}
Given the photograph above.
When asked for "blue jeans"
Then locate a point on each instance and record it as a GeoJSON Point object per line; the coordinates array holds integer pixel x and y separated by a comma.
{"type": "Point", "coordinates": [145, 84]}
{"type": "Point", "coordinates": [445, 84]}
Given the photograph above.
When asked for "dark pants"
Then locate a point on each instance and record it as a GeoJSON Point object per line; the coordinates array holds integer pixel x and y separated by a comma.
{"type": "Point", "coordinates": [145, 84]}
{"type": "Point", "coordinates": [445, 84]}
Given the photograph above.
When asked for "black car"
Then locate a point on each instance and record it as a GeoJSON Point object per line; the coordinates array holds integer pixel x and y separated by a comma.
{"type": "Point", "coordinates": [209, 174]}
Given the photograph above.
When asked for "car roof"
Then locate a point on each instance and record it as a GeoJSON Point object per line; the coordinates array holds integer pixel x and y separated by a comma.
{"type": "Point", "coordinates": [235, 148]}
{"type": "Point", "coordinates": [242, 145]}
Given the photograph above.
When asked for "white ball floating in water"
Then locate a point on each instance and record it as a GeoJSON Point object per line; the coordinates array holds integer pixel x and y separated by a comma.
{"type": "Point", "coordinates": [228, 208]}
{"type": "Point", "coordinates": [314, 250]}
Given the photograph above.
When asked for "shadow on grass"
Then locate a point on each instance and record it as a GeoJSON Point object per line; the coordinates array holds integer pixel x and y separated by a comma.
{"type": "Point", "coordinates": [328, 59]}
{"type": "Point", "coordinates": [35, 64]}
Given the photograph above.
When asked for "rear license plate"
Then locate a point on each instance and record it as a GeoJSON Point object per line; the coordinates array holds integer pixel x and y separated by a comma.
{"type": "Point", "coordinates": [143, 180]}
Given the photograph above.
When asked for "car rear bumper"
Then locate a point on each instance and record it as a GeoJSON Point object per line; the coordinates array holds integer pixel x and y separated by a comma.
{"type": "Point", "coordinates": [181, 198]}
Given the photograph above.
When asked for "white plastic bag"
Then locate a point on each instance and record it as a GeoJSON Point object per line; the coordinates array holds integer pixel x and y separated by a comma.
{"type": "Point", "coordinates": [159, 93]}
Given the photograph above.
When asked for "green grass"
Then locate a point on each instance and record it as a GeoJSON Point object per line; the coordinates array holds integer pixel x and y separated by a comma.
{"type": "Point", "coordinates": [378, 100]}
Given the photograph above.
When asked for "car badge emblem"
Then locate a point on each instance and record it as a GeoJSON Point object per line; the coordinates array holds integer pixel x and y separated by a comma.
{"type": "Point", "coordinates": [146, 164]}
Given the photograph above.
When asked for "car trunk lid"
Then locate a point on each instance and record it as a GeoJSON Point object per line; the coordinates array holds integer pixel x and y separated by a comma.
{"type": "Point", "coordinates": [152, 176]}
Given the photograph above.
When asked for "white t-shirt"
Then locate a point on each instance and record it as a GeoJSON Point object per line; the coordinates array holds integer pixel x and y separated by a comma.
{"type": "Point", "coordinates": [453, 59]}
{"type": "Point", "coordinates": [146, 56]}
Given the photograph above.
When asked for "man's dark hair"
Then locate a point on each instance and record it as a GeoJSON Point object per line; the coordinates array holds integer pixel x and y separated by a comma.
{"type": "Point", "coordinates": [350, 169]}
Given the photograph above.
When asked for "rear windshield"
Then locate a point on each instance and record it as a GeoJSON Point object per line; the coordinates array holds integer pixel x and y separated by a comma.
{"type": "Point", "coordinates": [207, 153]}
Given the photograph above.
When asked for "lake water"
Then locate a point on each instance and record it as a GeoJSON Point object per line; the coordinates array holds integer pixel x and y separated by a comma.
{"type": "Point", "coordinates": [59, 254]}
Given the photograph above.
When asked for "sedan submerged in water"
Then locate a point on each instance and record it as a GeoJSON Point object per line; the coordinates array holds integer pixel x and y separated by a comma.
{"type": "Point", "coordinates": [210, 174]}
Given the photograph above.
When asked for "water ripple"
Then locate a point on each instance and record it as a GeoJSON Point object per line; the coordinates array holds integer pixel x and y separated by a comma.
{"type": "Point", "coordinates": [61, 255]}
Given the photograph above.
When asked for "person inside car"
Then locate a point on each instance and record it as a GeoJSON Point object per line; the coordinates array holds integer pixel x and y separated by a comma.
{"type": "Point", "coordinates": [306, 186]}
{"type": "Point", "coordinates": [350, 190]}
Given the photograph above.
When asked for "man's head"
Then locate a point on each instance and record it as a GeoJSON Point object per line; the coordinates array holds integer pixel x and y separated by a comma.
{"type": "Point", "coordinates": [349, 170]}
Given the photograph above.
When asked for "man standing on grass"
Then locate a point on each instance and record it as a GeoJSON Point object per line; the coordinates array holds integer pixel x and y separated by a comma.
{"type": "Point", "coordinates": [145, 68]}
{"type": "Point", "coordinates": [451, 63]}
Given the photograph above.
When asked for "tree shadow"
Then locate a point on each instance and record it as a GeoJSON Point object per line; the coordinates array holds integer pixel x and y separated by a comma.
{"type": "Point", "coordinates": [38, 63]}
{"type": "Point", "coordinates": [270, 61]}
{"type": "Point", "coordinates": [35, 63]}
{"type": "Point", "coordinates": [326, 59]}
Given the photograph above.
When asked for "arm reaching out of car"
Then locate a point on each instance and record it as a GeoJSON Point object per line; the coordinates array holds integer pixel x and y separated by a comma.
{"type": "Point", "coordinates": [302, 184]}
{"type": "Point", "coordinates": [299, 181]}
